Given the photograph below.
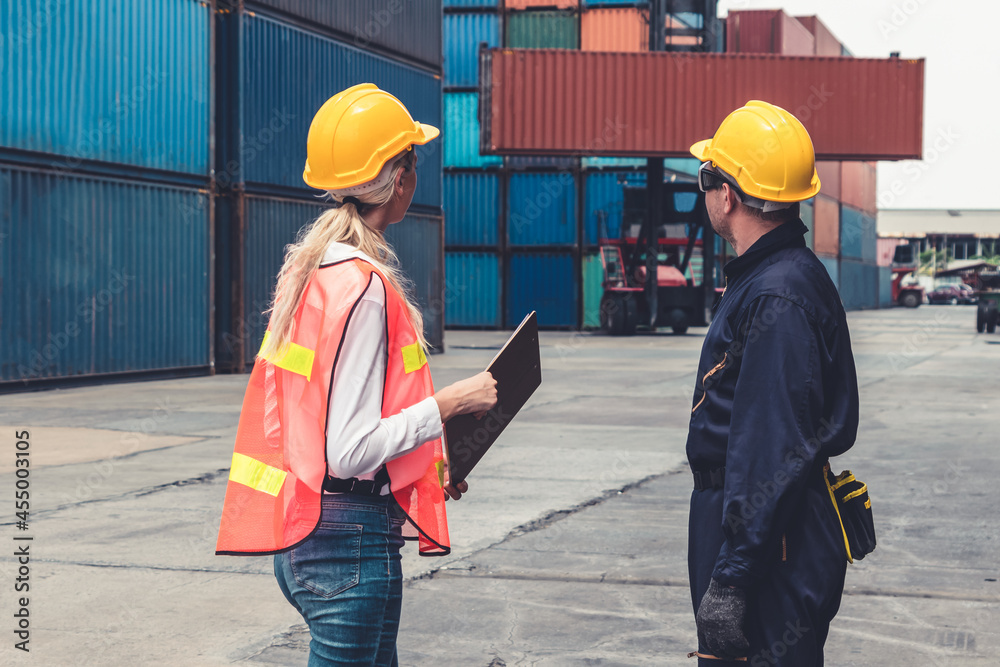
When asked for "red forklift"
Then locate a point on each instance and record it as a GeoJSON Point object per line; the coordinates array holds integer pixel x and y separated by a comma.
{"type": "Point", "coordinates": [904, 263]}
{"type": "Point", "coordinates": [649, 278]}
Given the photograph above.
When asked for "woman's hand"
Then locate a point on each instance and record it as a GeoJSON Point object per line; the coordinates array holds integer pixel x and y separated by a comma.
{"type": "Point", "coordinates": [454, 491]}
{"type": "Point", "coordinates": [477, 395]}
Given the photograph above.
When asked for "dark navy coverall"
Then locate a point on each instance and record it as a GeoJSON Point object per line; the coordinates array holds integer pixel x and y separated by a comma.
{"type": "Point", "coordinates": [776, 396]}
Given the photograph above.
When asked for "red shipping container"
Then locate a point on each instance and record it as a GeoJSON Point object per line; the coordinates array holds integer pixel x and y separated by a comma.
{"type": "Point", "coordinates": [524, 4]}
{"type": "Point", "coordinates": [884, 250]}
{"type": "Point", "coordinates": [825, 43]}
{"type": "Point", "coordinates": [618, 29]}
{"type": "Point", "coordinates": [826, 226]}
{"type": "Point", "coordinates": [567, 102]}
{"type": "Point", "coordinates": [857, 187]}
{"type": "Point", "coordinates": [829, 178]}
{"type": "Point", "coordinates": [768, 31]}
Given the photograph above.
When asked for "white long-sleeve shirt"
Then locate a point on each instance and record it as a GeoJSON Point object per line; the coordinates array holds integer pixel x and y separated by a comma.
{"type": "Point", "coordinates": [358, 440]}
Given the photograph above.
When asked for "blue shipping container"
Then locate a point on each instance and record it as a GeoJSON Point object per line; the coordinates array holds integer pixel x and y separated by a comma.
{"type": "Point", "coordinates": [604, 203]}
{"type": "Point", "coordinates": [461, 133]}
{"type": "Point", "coordinates": [286, 74]}
{"type": "Point", "coordinates": [472, 289]}
{"type": "Point", "coordinates": [101, 276]}
{"type": "Point", "coordinates": [412, 29]}
{"type": "Point", "coordinates": [857, 234]}
{"type": "Point", "coordinates": [470, 3]}
{"type": "Point", "coordinates": [885, 287]}
{"type": "Point", "coordinates": [544, 282]}
{"type": "Point", "coordinates": [832, 268]}
{"type": "Point", "coordinates": [541, 162]}
{"type": "Point", "coordinates": [419, 243]}
{"type": "Point", "coordinates": [462, 36]}
{"type": "Point", "coordinates": [858, 284]}
{"type": "Point", "coordinates": [613, 162]}
{"type": "Point", "coordinates": [471, 208]}
{"type": "Point", "coordinates": [119, 81]}
{"type": "Point", "coordinates": [541, 208]}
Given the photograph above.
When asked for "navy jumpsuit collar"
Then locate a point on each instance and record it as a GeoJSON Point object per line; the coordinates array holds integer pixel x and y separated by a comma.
{"type": "Point", "coordinates": [790, 233]}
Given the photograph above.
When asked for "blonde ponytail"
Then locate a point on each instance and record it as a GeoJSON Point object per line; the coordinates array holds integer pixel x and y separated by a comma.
{"type": "Point", "coordinates": [345, 225]}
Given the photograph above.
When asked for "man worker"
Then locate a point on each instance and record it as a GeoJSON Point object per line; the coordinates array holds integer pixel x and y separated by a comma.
{"type": "Point", "coordinates": [776, 395]}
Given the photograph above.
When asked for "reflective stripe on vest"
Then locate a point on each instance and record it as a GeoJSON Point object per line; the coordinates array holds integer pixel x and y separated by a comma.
{"type": "Point", "coordinates": [274, 492]}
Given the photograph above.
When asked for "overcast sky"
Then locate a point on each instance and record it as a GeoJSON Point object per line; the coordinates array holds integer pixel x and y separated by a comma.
{"type": "Point", "coordinates": [960, 40]}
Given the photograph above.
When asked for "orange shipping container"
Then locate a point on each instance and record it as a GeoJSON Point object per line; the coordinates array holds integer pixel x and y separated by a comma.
{"type": "Point", "coordinates": [829, 178]}
{"type": "Point", "coordinates": [826, 226]}
{"type": "Point", "coordinates": [857, 186]}
{"type": "Point", "coordinates": [618, 29]}
{"type": "Point", "coordinates": [558, 4]}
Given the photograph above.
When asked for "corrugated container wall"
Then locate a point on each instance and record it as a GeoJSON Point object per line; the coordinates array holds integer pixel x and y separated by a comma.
{"type": "Point", "coordinates": [604, 204]}
{"type": "Point", "coordinates": [543, 30]}
{"type": "Point", "coordinates": [573, 102]}
{"type": "Point", "coordinates": [102, 276]}
{"type": "Point", "coordinates": [525, 4]}
{"type": "Point", "coordinates": [419, 242]}
{"type": "Point", "coordinates": [826, 226]}
{"type": "Point", "coordinates": [614, 29]}
{"type": "Point", "coordinates": [127, 82]}
{"type": "Point", "coordinates": [541, 209]}
{"type": "Point", "coordinates": [471, 208]}
{"type": "Point", "coordinates": [471, 3]}
{"type": "Point", "coordinates": [411, 28]}
{"type": "Point", "coordinates": [276, 102]}
{"type": "Point", "coordinates": [593, 290]}
{"type": "Point", "coordinates": [826, 44]}
{"type": "Point", "coordinates": [857, 234]}
{"type": "Point", "coordinates": [858, 284]}
{"type": "Point", "coordinates": [884, 287]}
{"type": "Point", "coordinates": [767, 31]}
{"type": "Point", "coordinates": [858, 186]}
{"type": "Point", "coordinates": [463, 34]}
{"type": "Point", "coordinates": [472, 289]}
{"type": "Point", "coordinates": [461, 142]}
{"type": "Point", "coordinates": [545, 282]}
{"type": "Point", "coordinates": [829, 178]}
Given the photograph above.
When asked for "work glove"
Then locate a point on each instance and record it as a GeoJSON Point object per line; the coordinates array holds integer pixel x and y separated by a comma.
{"type": "Point", "coordinates": [720, 621]}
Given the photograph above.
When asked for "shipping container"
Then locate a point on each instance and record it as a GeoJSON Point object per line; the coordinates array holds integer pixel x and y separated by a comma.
{"type": "Point", "coordinates": [768, 31]}
{"type": "Point", "coordinates": [832, 267]}
{"type": "Point", "coordinates": [102, 276]}
{"type": "Point", "coordinates": [604, 203]}
{"type": "Point", "coordinates": [471, 3]}
{"type": "Point", "coordinates": [541, 208]}
{"type": "Point", "coordinates": [858, 186]}
{"type": "Point", "coordinates": [857, 235]}
{"type": "Point", "coordinates": [885, 248]}
{"type": "Point", "coordinates": [409, 29]}
{"type": "Point", "coordinates": [825, 43]}
{"type": "Point", "coordinates": [543, 30]}
{"type": "Point", "coordinates": [471, 209]}
{"type": "Point", "coordinates": [544, 282]}
{"type": "Point", "coordinates": [419, 243]}
{"type": "Point", "coordinates": [615, 29]}
{"type": "Point", "coordinates": [562, 162]}
{"type": "Point", "coordinates": [858, 284]}
{"type": "Point", "coordinates": [885, 287]}
{"type": "Point", "coordinates": [472, 289]}
{"type": "Point", "coordinates": [593, 290]}
{"type": "Point", "coordinates": [808, 219]}
{"type": "Point", "coordinates": [128, 83]}
{"type": "Point", "coordinates": [463, 34]}
{"type": "Point", "coordinates": [612, 162]}
{"type": "Point", "coordinates": [597, 103]}
{"type": "Point", "coordinates": [461, 135]}
{"type": "Point", "coordinates": [266, 109]}
{"type": "Point", "coordinates": [826, 226]}
{"type": "Point", "coordinates": [525, 4]}
{"type": "Point", "coordinates": [599, 3]}
{"type": "Point", "coordinates": [680, 165]}
{"type": "Point", "coordinates": [829, 178]}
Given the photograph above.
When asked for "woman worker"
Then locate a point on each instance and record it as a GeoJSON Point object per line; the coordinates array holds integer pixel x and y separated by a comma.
{"type": "Point", "coordinates": [338, 454]}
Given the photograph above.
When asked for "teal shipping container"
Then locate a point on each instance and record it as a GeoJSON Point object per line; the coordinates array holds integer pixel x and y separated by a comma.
{"type": "Point", "coordinates": [543, 30]}
{"type": "Point", "coordinates": [604, 203]}
{"type": "Point", "coordinates": [832, 267]}
{"type": "Point", "coordinates": [470, 208]}
{"type": "Point", "coordinates": [461, 135]}
{"type": "Point", "coordinates": [858, 283]}
{"type": "Point", "coordinates": [102, 276]}
{"type": "Point", "coordinates": [858, 238]}
{"type": "Point", "coordinates": [472, 289]}
{"type": "Point", "coordinates": [545, 282]}
{"type": "Point", "coordinates": [885, 287]}
{"type": "Point", "coordinates": [541, 208]}
{"type": "Point", "coordinates": [120, 81]}
{"type": "Point", "coordinates": [419, 242]}
{"type": "Point", "coordinates": [463, 34]}
{"type": "Point", "coordinates": [265, 109]}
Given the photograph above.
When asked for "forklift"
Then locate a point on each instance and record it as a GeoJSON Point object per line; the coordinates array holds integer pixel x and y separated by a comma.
{"type": "Point", "coordinates": [645, 269]}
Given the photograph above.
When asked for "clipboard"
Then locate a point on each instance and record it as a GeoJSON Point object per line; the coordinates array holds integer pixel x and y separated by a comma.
{"type": "Point", "coordinates": [517, 369]}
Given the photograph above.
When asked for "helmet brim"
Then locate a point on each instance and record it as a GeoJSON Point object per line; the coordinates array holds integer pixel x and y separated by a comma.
{"type": "Point", "coordinates": [429, 133]}
{"type": "Point", "coordinates": [700, 149]}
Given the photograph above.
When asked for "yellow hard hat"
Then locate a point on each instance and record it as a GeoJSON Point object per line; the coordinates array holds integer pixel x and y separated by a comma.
{"type": "Point", "coordinates": [766, 150]}
{"type": "Point", "coordinates": [355, 133]}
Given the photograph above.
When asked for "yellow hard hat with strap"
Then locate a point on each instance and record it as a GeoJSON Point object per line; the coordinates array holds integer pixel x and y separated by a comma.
{"type": "Point", "coordinates": [355, 133]}
{"type": "Point", "coordinates": [766, 150]}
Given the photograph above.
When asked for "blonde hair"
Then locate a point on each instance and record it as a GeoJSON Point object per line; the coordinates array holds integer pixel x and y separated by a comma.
{"type": "Point", "coordinates": [345, 225]}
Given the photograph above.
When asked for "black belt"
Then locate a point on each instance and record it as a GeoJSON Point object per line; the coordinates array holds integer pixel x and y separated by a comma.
{"type": "Point", "coordinates": [709, 479]}
{"type": "Point", "coordinates": [362, 487]}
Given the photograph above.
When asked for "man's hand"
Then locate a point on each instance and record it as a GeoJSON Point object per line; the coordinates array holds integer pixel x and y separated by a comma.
{"type": "Point", "coordinates": [720, 621]}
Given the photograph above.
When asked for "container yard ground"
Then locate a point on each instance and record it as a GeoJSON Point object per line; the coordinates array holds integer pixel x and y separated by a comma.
{"type": "Point", "coordinates": [568, 550]}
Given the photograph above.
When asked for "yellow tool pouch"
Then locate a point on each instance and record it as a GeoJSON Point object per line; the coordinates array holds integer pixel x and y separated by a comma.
{"type": "Point", "coordinates": [852, 504]}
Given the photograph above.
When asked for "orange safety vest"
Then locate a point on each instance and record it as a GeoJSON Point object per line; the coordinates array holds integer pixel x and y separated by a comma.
{"type": "Point", "coordinates": [279, 461]}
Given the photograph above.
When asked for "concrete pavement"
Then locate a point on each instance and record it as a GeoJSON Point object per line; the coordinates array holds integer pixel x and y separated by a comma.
{"type": "Point", "coordinates": [569, 548]}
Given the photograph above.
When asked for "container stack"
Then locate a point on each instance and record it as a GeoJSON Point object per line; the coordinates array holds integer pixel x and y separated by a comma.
{"type": "Point", "coordinates": [105, 190]}
{"type": "Point", "coordinates": [842, 217]}
{"type": "Point", "coordinates": [522, 232]}
{"type": "Point", "coordinates": [278, 62]}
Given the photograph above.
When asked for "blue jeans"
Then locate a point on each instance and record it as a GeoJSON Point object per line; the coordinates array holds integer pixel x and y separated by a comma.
{"type": "Point", "coordinates": [347, 582]}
